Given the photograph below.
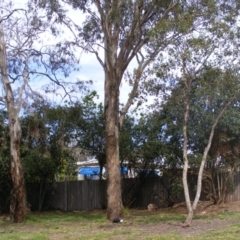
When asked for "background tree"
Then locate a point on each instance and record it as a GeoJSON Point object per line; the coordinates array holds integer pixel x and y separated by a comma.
{"type": "Point", "coordinates": [189, 78]}
{"type": "Point", "coordinates": [207, 98]}
{"type": "Point", "coordinates": [5, 176]}
{"type": "Point", "coordinates": [48, 133]}
{"type": "Point", "coordinates": [90, 135]}
{"type": "Point", "coordinates": [20, 59]}
{"type": "Point", "coordinates": [18, 206]}
{"type": "Point", "coordinates": [127, 143]}
{"type": "Point", "coordinates": [185, 63]}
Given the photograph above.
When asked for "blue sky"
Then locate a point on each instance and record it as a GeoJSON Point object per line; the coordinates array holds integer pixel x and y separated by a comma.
{"type": "Point", "coordinates": [90, 69]}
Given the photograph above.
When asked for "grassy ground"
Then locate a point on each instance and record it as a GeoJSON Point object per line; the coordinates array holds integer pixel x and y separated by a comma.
{"type": "Point", "coordinates": [136, 225]}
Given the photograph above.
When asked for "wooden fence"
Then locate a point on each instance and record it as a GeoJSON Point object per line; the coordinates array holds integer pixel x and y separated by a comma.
{"type": "Point", "coordinates": [91, 194]}
{"type": "Point", "coordinates": [234, 195]}
{"type": "Point", "coordinates": [79, 195]}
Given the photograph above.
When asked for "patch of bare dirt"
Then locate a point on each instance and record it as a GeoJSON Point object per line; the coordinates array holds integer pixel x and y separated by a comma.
{"type": "Point", "coordinates": [197, 227]}
{"type": "Point", "coordinates": [207, 208]}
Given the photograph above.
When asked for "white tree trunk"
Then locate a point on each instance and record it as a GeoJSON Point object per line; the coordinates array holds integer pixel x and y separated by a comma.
{"type": "Point", "coordinates": [18, 202]}
{"type": "Point", "coordinates": [192, 206]}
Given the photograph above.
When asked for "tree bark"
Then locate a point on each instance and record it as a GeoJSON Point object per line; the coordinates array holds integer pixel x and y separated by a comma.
{"type": "Point", "coordinates": [114, 196]}
{"type": "Point", "coordinates": [189, 218]}
{"type": "Point", "coordinates": [18, 202]}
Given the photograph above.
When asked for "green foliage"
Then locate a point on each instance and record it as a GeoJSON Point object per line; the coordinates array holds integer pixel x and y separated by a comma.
{"type": "Point", "coordinates": [67, 168]}
{"type": "Point", "coordinates": [39, 168]}
{"type": "Point", "coordinates": [148, 141]}
{"type": "Point", "coordinates": [5, 183]}
{"type": "Point", "coordinates": [127, 141]}
{"type": "Point", "coordinates": [5, 176]}
{"type": "Point", "coordinates": [46, 134]}
{"type": "Point", "coordinates": [210, 92]}
{"type": "Point", "coordinates": [90, 133]}
{"type": "Point", "coordinates": [46, 137]}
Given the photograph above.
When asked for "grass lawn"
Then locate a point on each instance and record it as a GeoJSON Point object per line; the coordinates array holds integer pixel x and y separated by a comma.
{"type": "Point", "coordinates": [136, 225]}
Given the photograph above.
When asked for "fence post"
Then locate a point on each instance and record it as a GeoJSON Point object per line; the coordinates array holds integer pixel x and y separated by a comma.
{"type": "Point", "coordinates": [65, 196]}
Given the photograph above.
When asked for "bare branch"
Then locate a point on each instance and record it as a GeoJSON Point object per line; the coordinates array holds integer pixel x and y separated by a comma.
{"type": "Point", "coordinates": [10, 14]}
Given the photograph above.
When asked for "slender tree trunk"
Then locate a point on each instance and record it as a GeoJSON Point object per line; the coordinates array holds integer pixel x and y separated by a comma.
{"type": "Point", "coordinates": [189, 218]}
{"type": "Point", "coordinates": [114, 196]}
{"type": "Point", "coordinates": [192, 207]}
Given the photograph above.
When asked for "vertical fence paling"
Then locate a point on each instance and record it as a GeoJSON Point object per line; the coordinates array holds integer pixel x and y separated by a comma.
{"type": "Point", "coordinates": [91, 194]}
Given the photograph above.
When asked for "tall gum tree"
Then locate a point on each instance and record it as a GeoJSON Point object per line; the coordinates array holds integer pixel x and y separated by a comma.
{"type": "Point", "coordinates": [185, 64]}
{"type": "Point", "coordinates": [124, 31]}
{"type": "Point", "coordinates": [125, 26]}
{"type": "Point", "coordinates": [18, 204]}
{"type": "Point", "coordinates": [191, 206]}
{"type": "Point", "coordinates": [22, 55]}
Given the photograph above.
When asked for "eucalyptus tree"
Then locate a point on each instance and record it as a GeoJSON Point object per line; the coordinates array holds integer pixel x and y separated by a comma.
{"type": "Point", "coordinates": [15, 63]}
{"type": "Point", "coordinates": [22, 56]}
{"type": "Point", "coordinates": [208, 98]}
{"type": "Point", "coordinates": [208, 94]}
{"type": "Point", "coordinates": [125, 32]}
{"type": "Point", "coordinates": [185, 64]}
{"type": "Point", "coordinates": [226, 102]}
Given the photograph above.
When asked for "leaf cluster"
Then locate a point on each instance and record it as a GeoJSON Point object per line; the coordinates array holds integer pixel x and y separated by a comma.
{"type": "Point", "coordinates": [209, 94]}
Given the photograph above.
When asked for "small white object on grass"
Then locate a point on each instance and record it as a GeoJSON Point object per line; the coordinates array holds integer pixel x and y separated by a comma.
{"type": "Point", "coordinates": [117, 220]}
